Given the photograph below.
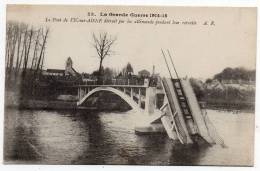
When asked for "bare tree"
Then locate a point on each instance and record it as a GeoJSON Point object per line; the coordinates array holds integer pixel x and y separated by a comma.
{"type": "Point", "coordinates": [42, 51]}
{"type": "Point", "coordinates": [13, 42]}
{"type": "Point", "coordinates": [25, 49]}
{"type": "Point", "coordinates": [102, 44]}
{"type": "Point", "coordinates": [25, 35]}
{"type": "Point", "coordinates": [18, 48]}
{"type": "Point", "coordinates": [34, 59]}
{"type": "Point", "coordinates": [27, 52]}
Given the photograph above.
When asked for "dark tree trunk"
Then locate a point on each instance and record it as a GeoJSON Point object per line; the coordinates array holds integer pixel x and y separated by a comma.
{"type": "Point", "coordinates": [100, 72]}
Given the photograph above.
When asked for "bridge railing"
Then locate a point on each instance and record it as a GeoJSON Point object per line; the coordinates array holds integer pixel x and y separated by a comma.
{"type": "Point", "coordinates": [117, 81]}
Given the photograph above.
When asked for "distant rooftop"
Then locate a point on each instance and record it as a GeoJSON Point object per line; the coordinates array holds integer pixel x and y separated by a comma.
{"type": "Point", "coordinates": [56, 70]}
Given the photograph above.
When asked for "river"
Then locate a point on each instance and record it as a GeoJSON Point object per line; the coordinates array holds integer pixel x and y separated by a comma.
{"type": "Point", "coordinates": [84, 137]}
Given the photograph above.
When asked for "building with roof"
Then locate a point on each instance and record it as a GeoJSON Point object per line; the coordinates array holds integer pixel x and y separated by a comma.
{"type": "Point", "coordinates": [68, 71]}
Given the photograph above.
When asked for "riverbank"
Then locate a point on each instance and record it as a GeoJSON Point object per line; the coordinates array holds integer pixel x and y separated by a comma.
{"type": "Point", "coordinates": [42, 104]}
{"type": "Point", "coordinates": [101, 101]}
{"type": "Point", "coordinates": [230, 105]}
{"type": "Point", "coordinates": [67, 105]}
{"type": "Point", "coordinates": [107, 101]}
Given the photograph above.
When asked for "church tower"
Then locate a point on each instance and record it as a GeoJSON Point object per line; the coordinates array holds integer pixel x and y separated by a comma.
{"type": "Point", "coordinates": [68, 66]}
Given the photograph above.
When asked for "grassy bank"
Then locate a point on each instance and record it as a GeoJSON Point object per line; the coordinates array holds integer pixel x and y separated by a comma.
{"type": "Point", "coordinates": [100, 101]}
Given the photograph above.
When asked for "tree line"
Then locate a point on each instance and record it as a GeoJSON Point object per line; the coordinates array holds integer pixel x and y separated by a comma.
{"type": "Point", "coordinates": [108, 72]}
{"type": "Point", "coordinates": [25, 51]}
{"type": "Point", "coordinates": [238, 73]}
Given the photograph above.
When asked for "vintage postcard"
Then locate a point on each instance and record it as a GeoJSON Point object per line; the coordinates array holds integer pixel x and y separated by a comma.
{"type": "Point", "coordinates": [129, 85]}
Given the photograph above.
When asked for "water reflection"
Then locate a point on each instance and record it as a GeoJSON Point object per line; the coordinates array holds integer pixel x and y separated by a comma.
{"type": "Point", "coordinates": [187, 155]}
{"type": "Point", "coordinates": [96, 141]}
{"type": "Point", "coordinates": [84, 137]}
{"type": "Point", "coordinates": [20, 138]}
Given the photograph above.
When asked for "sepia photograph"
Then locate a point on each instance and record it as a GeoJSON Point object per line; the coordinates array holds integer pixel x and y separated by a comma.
{"type": "Point", "coordinates": [129, 85]}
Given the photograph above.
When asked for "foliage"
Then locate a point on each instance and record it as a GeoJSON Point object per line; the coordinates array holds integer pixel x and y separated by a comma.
{"type": "Point", "coordinates": [208, 81]}
{"type": "Point", "coordinates": [236, 74]}
{"type": "Point", "coordinates": [197, 87]}
{"type": "Point", "coordinates": [127, 70]}
{"type": "Point", "coordinates": [226, 96]}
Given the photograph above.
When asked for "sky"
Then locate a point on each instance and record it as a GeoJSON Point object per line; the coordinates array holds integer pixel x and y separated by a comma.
{"type": "Point", "coordinates": [197, 50]}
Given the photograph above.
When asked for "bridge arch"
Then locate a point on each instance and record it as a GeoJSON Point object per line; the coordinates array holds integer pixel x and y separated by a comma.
{"type": "Point", "coordinates": [121, 94]}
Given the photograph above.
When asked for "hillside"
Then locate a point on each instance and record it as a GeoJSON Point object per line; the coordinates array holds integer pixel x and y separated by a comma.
{"type": "Point", "coordinates": [232, 88]}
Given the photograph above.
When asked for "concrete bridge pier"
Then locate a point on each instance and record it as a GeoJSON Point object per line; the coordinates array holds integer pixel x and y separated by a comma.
{"type": "Point", "coordinates": [139, 97]}
{"type": "Point", "coordinates": [131, 93]}
{"type": "Point", "coordinates": [81, 92]}
{"type": "Point", "coordinates": [150, 100]}
{"type": "Point", "coordinates": [150, 115]}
